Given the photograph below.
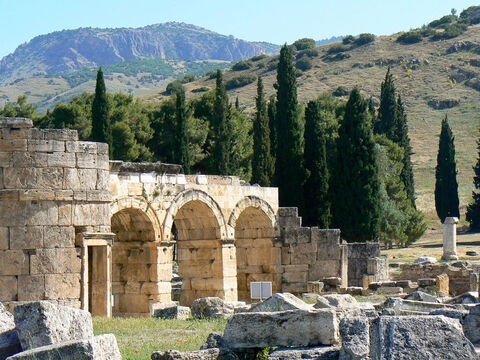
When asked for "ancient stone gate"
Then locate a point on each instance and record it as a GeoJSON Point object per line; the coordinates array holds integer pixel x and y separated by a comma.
{"type": "Point", "coordinates": [80, 230]}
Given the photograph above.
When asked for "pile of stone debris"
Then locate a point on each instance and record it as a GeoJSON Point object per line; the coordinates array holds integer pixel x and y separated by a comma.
{"type": "Point", "coordinates": [336, 326]}
{"type": "Point", "coordinates": [44, 331]}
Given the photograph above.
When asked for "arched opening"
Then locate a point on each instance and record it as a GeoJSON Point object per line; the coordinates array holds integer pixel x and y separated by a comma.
{"type": "Point", "coordinates": [256, 255]}
{"type": "Point", "coordinates": [135, 260]}
{"type": "Point", "coordinates": [199, 252]}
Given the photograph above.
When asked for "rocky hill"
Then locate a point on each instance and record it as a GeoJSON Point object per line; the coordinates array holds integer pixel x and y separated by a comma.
{"type": "Point", "coordinates": [69, 50]}
{"type": "Point", "coordinates": [434, 77]}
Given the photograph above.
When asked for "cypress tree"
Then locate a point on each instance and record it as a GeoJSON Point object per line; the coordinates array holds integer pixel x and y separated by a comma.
{"type": "Point", "coordinates": [401, 138]}
{"type": "Point", "coordinates": [181, 152]}
{"type": "Point", "coordinates": [446, 187]}
{"type": "Point", "coordinates": [387, 112]}
{"type": "Point", "coordinates": [289, 171]}
{"type": "Point", "coordinates": [237, 104]}
{"type": "Point", "coordinates": [223, 129]}
{"type": "Point", "coordinates": [100, 112]}
{"type": "Point", "coordinates": [271, 109]}
{"type": "Point", "coordinates": [315, 190]}
{"type": "Point", "coordinates": [356, 208]}
{"type": "Point", "coordinates": [262, 165]}
{"type": "Point", "coordinates": [473, 209]}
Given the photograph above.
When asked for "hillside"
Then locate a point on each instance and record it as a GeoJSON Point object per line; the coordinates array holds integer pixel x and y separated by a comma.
{"type": "Point", "coordinates": [434, 78]}
{"type": "Point", "coordinates": [69, 50]}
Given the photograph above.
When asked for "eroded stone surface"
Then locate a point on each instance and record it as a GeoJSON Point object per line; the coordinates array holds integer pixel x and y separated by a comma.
{"type": "Point", "coordinates": [281, 302]}
{"type": "Point", "coordinates": [314, 353]}
{"type": "Point", "coordinates": [211, 307]}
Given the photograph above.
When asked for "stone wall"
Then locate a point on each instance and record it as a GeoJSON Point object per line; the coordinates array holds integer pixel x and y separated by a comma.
{"type": "Point", "coordinates": [365, 265]}
{"type": "Point", "coordinates": [51, 186]}
{"type": "Point", "coordinates": [308, 254]}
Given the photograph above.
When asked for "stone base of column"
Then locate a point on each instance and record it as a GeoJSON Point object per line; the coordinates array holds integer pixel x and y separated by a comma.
{"type": "Point", "coordinates": [449, 257]}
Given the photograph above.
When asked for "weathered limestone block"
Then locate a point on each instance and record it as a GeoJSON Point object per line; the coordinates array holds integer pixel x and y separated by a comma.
{"type": "Point", "coordinates": [4, 238]}
{"type": "Point", "coordinates": [343, 302]}
{"type": "Point", "coordinates": [14, 262]}
{"type": "Point", "coordinates": [206, 354]}
{"type": "Point", "coordinates": [281, 302]}
{"type": "Point", "coordinates": [8, 288]}
{"type": "Point", "coordinates": [31, 287]}
{"type": "Point", "coordinates": [26, 237]}
{"type": "Point", "coordinates": [56, 261]}
{"type": "Point", "coordinates": [59, 237]}
{"type": "Point", "coordinates": [101, 347]}
{"type": "Point", "coordinates": [62, 286]}
{"type": "Point", "coordinates": [443, 284]}
{"type": "Point", "coordinates": [355, 334]}
{"type": "Point", "coordinates": [170, 311]}
{"type": "Point", "coordinates": [42, 323]}
{"type": "Point", "coordinates": [317, 353]}
{"type": "Point", "coordinates": [471, 324]}
{"type": "Point", "coordinates": [211, 307]}
{"type": "Point", "coordinates": [286, 328]}
{"type": "Point", "coordinates": [419, 338]}
{"type": "Point", "coordinates": [9, 343]}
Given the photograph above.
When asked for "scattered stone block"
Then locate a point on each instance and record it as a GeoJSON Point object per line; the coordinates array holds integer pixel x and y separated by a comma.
{"type": "Point", "coordinates": [442, 282]}
{"type": "Point", "coordinates": [422, 296]}
{"type": "Point", "coordinates": [338, 301]}
{"type": "Point", "coordinates": [286, 328]}
{"type": "Point", "coordinates": [354, 290]}
{"type": "Point", "coordinates": [300, 353]}
{"type": "Point", "coordinates": [281, 302]}
{"type": "Point", "coordinates": [355, 334]}
{"type": "Point", "coordinates": [101, 347]}
{"type": "Point", "coordinates": [207, 354]}
{"type": "Point", "coordinates": [332, 281]}
{"type": "Point", "coordinates": [42, 323]}
{"type": "Point", "coordinates": [171, 311]}
{"type": "Point", "coordinates": [425, 260]}
{"type": "Point", "coordinates": [471, 324]}
{"type": "Point", "coordinates": [472, 253]}
{"type": "Point", "coordinates": [9, 342]}
{"type": "Point", "coordinates": [470, 297]}
{"type": "Point", "coordinates": [426, 282]}
{"type": "Point", "coordinates": [315, 287]}
{"type": "Point", "coordinates": [211, 307]}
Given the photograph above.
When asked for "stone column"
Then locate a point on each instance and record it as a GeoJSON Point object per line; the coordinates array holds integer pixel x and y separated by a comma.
{"type": "Point", "coordinates": [450, 238]}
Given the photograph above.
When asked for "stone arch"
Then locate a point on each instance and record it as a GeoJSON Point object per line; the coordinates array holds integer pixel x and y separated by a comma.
{"type": "Point", "coordinates": [203, 255]}
{"type": "Point", "coordinates": [135, 259]}
{"type": "Point", "coordinates": [253, 225]}
{"type": "Point", "coordinates": [193, 195]}
{"type": "Point", "coordinates": [137, 202]}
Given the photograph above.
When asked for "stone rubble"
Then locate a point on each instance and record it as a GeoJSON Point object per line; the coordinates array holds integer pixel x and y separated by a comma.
{"type": "Point", "coordinates": [9, 342]}
{"type": "Point", "coordinates": [211, 307]}
{"type": "Point", "coordinates": [281, 302]}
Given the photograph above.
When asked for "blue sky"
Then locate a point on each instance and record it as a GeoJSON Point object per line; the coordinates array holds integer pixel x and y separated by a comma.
{"type": "Point", "coordinates": [276, 21]}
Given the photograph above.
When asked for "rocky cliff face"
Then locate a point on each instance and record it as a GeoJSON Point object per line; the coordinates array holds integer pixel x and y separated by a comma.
{"type": "Point", "coordinates": [70, 50]}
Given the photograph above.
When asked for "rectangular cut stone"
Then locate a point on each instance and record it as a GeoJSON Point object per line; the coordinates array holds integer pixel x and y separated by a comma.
{"type": "Point", "coordinates": [285, 328]}
{"type": "Point", "coordinates": [64, 214]}
{"type": "Point", "coordinates": [87, 147]}
{"type": "Point", "coordinates": [103, 162]}
{"type": "Point", "coordinates": [56, 261]}
{"type": "Point", "coordinates": [61, 159]}
{"type": "Point", "coordinates": [101, 347]}
{"type": "Point", "coordinates": [62, 286]}
{"type": "Point", "coordinates": [36, 195]}
{"type": "Point", "coordinates": [28, 159]}
{"type": "Point", "coordinates": [60, 134]}
{"type": "Point", "coordinates": [86, 160]}
{"type": "Point", "coordinates": [103, 180]}
{"type": "Point", "coordinates": [43, 323]}
{"type": "Point", "coordinates": [80, 179]}
{"type": "Point", "coordinates": [46, 145]}
{"type": "Point", "coordinates": [42, 213]}
{"type": "Point", "coordinates": [31, 287]}
{"type": "Point", "coordinates": [4, 238]}
{"type": "Point", "coordinates": [13, 262]}
{"type": "Point", "coordinates": [13, 145]}
{"type": "Point", "coordinates": [8, 288]}
{"type": "Point", "coordinates": [59, 237]}
{"type": "Point", "coordinates": [26, 237]}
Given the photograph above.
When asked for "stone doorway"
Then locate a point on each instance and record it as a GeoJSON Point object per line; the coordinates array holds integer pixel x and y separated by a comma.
{"type": "Point", "coordinates": [257, 257]}
{"type": "Point", "coordinates": [135, 257]}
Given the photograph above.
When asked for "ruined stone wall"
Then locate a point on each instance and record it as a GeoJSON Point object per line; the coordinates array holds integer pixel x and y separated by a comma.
{"type": "Point", "coordinates": [365, 264]}
{"type": "Point", "coordinates": [51, 185]}
{"type": "Point", "coordinates": [308, 254]}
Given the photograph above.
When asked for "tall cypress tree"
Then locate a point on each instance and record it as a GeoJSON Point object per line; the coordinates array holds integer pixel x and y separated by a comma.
{"type": "Point", "coordinates": [262, 164]}
{"type": "Point", "coordinates": [100, 112]}
{"type": "Point", "coordinates": [446, 187]}
{"type": "Point", "coordinates": [271, 110]}
{"type": "Point", "coordinates": [356, 208]}
{"type": "Point", "coordinates": [387, 112]}
{"type": "Point", "coordinates": [315, 189]}
{"type": "Point", "coordinates": [401, 138]}
{"type": "Point", "coordinates": [223, 129]}
{"type": "Point", "coordinates": [289, 171]}
{"type": "Point", "coordinates": [181, 152]}
{"type": "Point", "coordinates": [473, 209]}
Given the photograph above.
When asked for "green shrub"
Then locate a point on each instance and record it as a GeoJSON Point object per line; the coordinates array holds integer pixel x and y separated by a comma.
{"type": "Point", "coordinates": [340, 91]}
{"type": "Point", "coordinates": [308, 52]}
{"type": "Point", "coordinates": [200, 89]}
{"type": "Point", "coordinates": [303, 44]}
{"type": "Point", "coordinates": [239, 81]}
{"type": "Point", "coordinates": [337, 48]}
{"type": "Point", "coordinates": [443, 21]}
{"type": "Point", "coordinates": [242, 65]}
{"type": "Point", "coordinates": [450, 32]}
{"type": "Point", "coordinates": [349, 39]}
{"type": "Point", "coordinates": [304, 63]}
{"type": "Point", "coordinates": [470, 15]}
{"type": "Point", "coordinates": [410, 37]}
{"type": "Point", "coordinates": [211, 74]}
{"type": "Point", "coordinates": [174, 87]}
{"type": "Point", "coordinates": [188, 78]}
{"type": "Point", "coordinates": [258, 57]}
{"type": "Point", "coordinates": [336, 57]}
{"type": "Point", "coordinates": [364, 38]}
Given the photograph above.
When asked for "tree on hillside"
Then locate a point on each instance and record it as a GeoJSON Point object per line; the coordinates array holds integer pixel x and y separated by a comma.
{"type": "Point", "coordinates": [223, 129]}
{"type": "Point", "coordinates": [387, 112]}
{"type": "Point", "coordinates": [356, 209]}
{"type": "Point", "coordinates": [401, 138]}
{"type": "Point", "coordinates": [289, 171]}
{"type": "Point", "coordinates": [237, 104]}
{"type": "Point", "coordinates": [315, 189]}
{"type": "Point", "coordinates": [473, 209]}
{"type": "Point", "coordinates": [262, 164]}
{"type": "Point", "coordinates": [446, 187]}
{"type": "Point", "coordinates": [100, 112]}
{"type": "Point", "coordinates": [271, 110]}
{"type": "Point", "coordinates": [181, 152]}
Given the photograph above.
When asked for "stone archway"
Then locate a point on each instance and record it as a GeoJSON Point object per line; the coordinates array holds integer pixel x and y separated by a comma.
{"type": "Point", "coordinates": [205, 258]}
{"type": "Point", "coordinates": [136, 256]}
{"type": "Point", "coordinates": [253, 223]}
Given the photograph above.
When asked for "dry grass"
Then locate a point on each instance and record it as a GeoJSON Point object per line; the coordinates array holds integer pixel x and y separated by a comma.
{"type": "Point", "coordinates": [139, 338]}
